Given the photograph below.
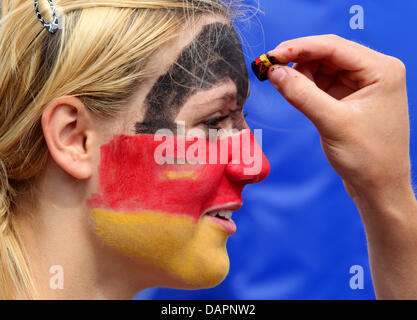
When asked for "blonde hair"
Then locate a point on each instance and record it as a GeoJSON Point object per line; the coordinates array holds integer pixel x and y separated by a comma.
{"type": "Point", "coordinates": [99, 54]}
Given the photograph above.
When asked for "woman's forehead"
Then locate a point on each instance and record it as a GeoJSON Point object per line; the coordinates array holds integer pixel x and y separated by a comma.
{"type": "Point", "coordinates": [213, 56]}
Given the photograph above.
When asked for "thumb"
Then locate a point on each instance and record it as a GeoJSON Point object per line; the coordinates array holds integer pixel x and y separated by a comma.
{"type": "Point", "coordinates": [303, 94]}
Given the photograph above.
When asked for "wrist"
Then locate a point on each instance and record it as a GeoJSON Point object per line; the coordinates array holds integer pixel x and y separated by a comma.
{"type": "Point", "coordinates": [386, 209]}
{"type": "Point", "coordinates": [381, 190]}
{"type": "Point", "coordinates": [390, 220]}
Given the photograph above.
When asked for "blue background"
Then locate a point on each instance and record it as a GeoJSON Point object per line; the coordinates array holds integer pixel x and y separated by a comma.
{"type": "Point", "coordinates": [298, 231]}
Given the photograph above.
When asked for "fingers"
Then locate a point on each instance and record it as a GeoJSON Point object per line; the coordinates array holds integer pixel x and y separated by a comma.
{"type": "Point", "coordinates": [339, 53]}
{"type": "Point", "coordinates": [304, 94]}
{"type": "Point", "coordinates": [325, 76]}
{"type": "Point", "coordinates": [309, 69]}
{"type": "Point", "coordinates": [328, 71]}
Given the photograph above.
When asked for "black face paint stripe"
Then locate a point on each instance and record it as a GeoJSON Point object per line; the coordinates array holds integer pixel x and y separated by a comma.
{"type": "Point", "coordinates": [213, 57]}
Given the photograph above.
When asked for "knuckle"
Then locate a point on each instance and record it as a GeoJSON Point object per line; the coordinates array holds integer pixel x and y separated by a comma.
{"type": "Point", "coordinates": [399, 65]}
{"type": "Point", "coordinates": [283, 43]}
{"type": "Point", "coordinates": [397, 70]}
{"type": "Point", "coordinates": [333, 37]}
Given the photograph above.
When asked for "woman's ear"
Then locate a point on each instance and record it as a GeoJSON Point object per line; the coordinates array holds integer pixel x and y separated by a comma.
{"type": "Point", "coordinates": [68, 130]}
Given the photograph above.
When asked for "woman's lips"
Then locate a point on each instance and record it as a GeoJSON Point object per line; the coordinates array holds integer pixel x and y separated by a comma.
{"type": "Point", "coordinates": [222, 215]}
{"type": "Point", "coordinates": [229, 206]}
{"type": "Point", "coordinates": [227, 224]}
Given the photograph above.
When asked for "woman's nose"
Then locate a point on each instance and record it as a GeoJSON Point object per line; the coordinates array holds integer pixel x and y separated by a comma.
{"type": "Point", "coordinates": [251, 166]}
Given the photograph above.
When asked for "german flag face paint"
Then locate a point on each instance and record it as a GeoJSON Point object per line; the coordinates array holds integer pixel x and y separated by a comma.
{"type": "Point", "coordinates": [158, 213]}
{"type": "Point", "coordinates": [164, 213]}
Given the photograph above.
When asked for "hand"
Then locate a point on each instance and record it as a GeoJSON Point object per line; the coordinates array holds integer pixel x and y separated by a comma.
{"type": "Point", "coordinates": [357, 99]}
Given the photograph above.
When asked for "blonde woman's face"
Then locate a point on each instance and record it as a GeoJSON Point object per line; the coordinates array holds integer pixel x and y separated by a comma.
{"type": "Point", "coordinates": [157, 194]}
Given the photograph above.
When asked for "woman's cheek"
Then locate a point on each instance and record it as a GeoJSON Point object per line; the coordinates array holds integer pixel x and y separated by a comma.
{"type": "Point", "coordinates": [131, 180]}
{"type": "Point", "coordinates": [153, 212]}
{"type": "Point", "coordinates": [194, 253]}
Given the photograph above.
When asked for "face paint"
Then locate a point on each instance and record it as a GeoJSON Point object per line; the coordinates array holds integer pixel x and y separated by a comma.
{"type": "Point", "coordinates": [156, 212]}
{"type": "Point", "coordinates": [131, 179]}
{"type": "Point", "coordinates": [213, 57]}
{"type": "Point", "coordinates": [261, 65]}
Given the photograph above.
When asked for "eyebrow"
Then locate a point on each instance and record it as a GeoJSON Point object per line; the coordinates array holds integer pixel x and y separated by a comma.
{"type": "Point", "coordinates": [228, 96]}
{"type": "Point", "coordinates": [224, 97]}
{"type": "Point", "coordinates": [213, 56]}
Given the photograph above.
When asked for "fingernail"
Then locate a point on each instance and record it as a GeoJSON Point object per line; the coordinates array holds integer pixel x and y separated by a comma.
{"type": "Point", "coordinates": [278, 74]}
{"type": "Point", "coordinates": [272, 59]}
{"type": "Point", "coordinates": [277, 56]}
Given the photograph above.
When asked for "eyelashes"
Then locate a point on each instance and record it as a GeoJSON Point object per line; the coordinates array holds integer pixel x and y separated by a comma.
{"type": "Point", "coordinates": [213, 123]}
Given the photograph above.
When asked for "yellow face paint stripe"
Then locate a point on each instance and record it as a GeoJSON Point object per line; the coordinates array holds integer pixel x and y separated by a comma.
{"type": "Point", "coordinates": [176, 175]}
{"type": "Point", "coordinates": [193, 251]}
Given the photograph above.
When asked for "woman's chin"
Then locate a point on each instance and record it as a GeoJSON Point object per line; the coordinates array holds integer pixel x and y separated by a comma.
{"type": "Point", "coordinates": [180, 252]}
{"type": "Point", "coordinates": [209, 272]}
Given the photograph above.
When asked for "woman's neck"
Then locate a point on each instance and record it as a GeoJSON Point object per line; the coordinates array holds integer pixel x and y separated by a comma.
{"type": "Point", "coordinates": [67, 261]}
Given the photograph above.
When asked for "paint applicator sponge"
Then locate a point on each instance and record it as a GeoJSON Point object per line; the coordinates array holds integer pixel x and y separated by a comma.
{"type": "Point", "coordinates": [261, 65]}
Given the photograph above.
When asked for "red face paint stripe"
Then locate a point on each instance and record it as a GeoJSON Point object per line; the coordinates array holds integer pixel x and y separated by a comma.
{"type": "Point", "coordinates": [131, 180]}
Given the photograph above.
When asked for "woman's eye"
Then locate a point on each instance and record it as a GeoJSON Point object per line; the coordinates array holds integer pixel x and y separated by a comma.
{"type": "Point", "coordinates": [214, 122]}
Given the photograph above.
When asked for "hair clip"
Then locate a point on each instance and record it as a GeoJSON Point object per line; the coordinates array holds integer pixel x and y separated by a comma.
{"type": "Point", "coordinates": [51, 26]}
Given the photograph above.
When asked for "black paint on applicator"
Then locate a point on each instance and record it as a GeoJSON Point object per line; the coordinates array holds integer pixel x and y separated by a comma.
{"type": "Point", "coordinates": [261, 65]}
